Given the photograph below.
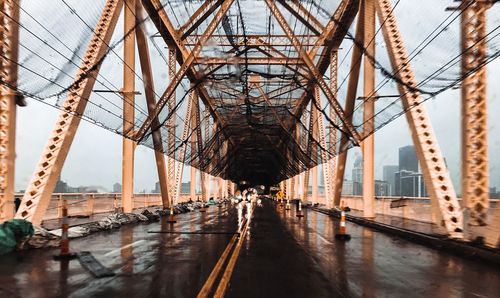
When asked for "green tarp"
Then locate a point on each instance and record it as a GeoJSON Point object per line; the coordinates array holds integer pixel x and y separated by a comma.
{"type": "Point", "coordinates": [13, 231]}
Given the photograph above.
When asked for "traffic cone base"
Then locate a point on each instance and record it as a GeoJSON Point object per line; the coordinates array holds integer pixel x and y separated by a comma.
{"type": "Point", "coordinates": [343, 237]}
{"type": "Point", "coordinates": [65, 257]}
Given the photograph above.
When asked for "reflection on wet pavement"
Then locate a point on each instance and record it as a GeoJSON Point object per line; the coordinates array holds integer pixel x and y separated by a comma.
{"type": "Point", "coordinates": [282, 256]}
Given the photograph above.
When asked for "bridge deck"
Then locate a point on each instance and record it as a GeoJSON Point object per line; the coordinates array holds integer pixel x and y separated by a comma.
{"type": "Point", "coordinates": [282, 255]}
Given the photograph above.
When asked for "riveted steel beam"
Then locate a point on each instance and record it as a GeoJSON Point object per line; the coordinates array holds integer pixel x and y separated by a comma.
{"type": "Point", "coordinates": [475, 166]}
{"type": "Point", "coordinates": [185, 57]}
{"type": "Point", "coordinates": [9, 47]}
{"type": "Point", "coordinates": [147, 76]}
{"type": "Point", "coordinates": [435, 171]}
{"type": "Point", "coordinates": [316, 75]}
{"type": "Point", "coordinates": [39, 191]}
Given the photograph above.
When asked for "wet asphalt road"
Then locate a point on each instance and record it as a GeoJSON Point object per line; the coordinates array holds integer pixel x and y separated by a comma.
{"type": "Point", "coordinates": [283, 256]}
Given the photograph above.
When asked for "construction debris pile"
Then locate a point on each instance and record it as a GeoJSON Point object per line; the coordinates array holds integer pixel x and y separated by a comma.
{"type": "Point", "coordinates": [50, 238]}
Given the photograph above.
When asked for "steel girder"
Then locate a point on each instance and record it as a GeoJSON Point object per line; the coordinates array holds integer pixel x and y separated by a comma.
{"type": "Point", "coordinates": [147, 76]}
{"type": "Point", "coordinates": [317, 75]}
{"type": "Point", "coordinates": [128, 93]}
{"type": "Point", "coordinates": [9, 44]}
{"type": "Point", "coordinates": [275, 40]}
{"type": "Point", "coordinates": [185, 57]}
{"type": "Point", "coordinates": [330, 165]}
{"type": "Point", "coordinates": [352, 87]}
{"type": "Point", "coordinates": [435, 172]}
{"type": "Point", "coordinates": [171, 103]}
{"type": "Point", "coordinates": [475, 166]}
{"type": "Point", "coordinates": [39, 191]}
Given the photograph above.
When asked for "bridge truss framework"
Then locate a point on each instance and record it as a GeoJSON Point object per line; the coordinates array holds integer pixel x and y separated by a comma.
{"type": "Point", "coordinates": [185, 49]}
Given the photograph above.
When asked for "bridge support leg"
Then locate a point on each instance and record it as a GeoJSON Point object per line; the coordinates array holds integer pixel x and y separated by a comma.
{"type": "Point", "coordinates": [147, 76]}
{"type": "Point", "coordinates": [352, 86]}
{"type": "Point", "coordinates": [128, 92]}
{"type": "Point", "coordinates": [435, 172]}
{"type": "Point", "coordinates": [475, 166]}
{"type": "Point", "coordinates": [39, 191]}
{"type": "Point", "coordinates": [368, 13]}
{"type": "Point", "coordinates": [9, 45]}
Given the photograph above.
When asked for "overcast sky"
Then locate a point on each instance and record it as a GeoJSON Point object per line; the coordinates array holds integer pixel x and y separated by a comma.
{"type": "Point", "coordinates": [95, 156]}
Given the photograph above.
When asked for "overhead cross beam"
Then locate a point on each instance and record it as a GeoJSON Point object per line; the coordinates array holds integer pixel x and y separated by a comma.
{"type": "Point", "coordinates": [185, 57]}
{"type": "Point", "coordinates": [303, 15]}
{"type": "Point", "coordinates": [317, 77]}
{"type": "Point", "coordinates": [198, 17]}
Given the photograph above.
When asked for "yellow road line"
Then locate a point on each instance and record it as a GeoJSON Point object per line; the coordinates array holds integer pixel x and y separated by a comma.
{"type": "Point", "coordinates": [226, 277]}
{"type": "Point", "coordinates": [207, 287]}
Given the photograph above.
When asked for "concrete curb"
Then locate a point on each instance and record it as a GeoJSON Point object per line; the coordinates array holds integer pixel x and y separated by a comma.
{"type": "Point", "coordinates": [463, 249]}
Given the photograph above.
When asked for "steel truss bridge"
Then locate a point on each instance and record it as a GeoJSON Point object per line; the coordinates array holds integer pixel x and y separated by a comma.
{"type": "Point", "coordinates": [266, 112]}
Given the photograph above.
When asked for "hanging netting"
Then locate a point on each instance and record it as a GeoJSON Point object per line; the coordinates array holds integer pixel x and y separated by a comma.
{"type": "Point", "coordinates": [255, 93]}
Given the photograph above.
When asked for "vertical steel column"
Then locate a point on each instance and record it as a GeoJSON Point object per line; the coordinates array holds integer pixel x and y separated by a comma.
{"type": "Point", "coordinates": [205, 176]}
{"type": "Point", "coordinates": [128, 93]}
{"type": "Point", "coordinates": [172, 63]}
{"type": "Point", "coordinates": [147, 76]}
{"type": "Point", "coordinates": [352, 86]}
{"type": "Point", "coordinates": [39, 191]}
{"type": "Point", "coordinates": [368, 8]}
{"type": "Point", "coordinates": [313, 121]}
{"type": "Point", "coordinates": [192, 183]}
{"type": "Point", "coordinates": [330, 164]}
{"type": "Point", "coordinates": [314, 194]}
{"type": "Point", "coordinates": [475, 170]}
{"type": "Point", "coordinates": [435, 172]}
{"type": "Point", "coordinates": [193, 96]}
{"type": "Point", "coordinates": [9, 47]}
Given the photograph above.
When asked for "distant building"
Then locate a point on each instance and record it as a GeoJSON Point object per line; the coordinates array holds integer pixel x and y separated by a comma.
{"type": "Point", "coordinates": [117, 187]}
{"type": "Point", "coordinates": [494, 194]}
{"type": "Point", "coordinates": [186, 187]}
{"type": "Point", "coordinates": [347, 188]}
{"type": "Point", "coordinates": [382, 188]}
{"type": "Point", "coordinates": [410, 184]}
{"type": "Point", "coordinates": [357, 176]}
{"type": "Point", "coordinates": [61, 186]}
{"type": "Point", "coordinates": [157, 188]}
{"type": "Point", "coordinates": [408, 159]}
{"type": "Point", "coordinates": [390, 178]}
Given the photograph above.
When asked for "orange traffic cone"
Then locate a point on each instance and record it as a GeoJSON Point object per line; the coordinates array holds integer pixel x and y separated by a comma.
{"type": "Point", "coordinates": [171, 217]}
{"type": "Point", "coordinates": [299, 210]}
{"type": "Point", "coordinates": [64, 244]}
{"type": "Point", "coordinates": [342, 234]}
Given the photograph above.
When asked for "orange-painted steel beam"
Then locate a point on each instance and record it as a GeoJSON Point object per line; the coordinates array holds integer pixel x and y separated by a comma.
{"type": "Point", "coordinates": [275, 40]}
{"type": "Point", "coordinates": [330, 40]}
{"type": "Point", "coordinates": [475, 165]}
{"type": "Point", "coordinates": [158, 15]}
{"type": "Point", "coordinates": [249, 60]}
{"type": "Point", "coordinates": [330, 163]}
{"type": "Point", "coordinates": [9, 48]}
{"type": "Point", "coordinates": [147, 76]}
{"type": "Point", "coordinates": [171, 123]}
{"type": "Point", "coordinates": [368, 8]}
{"type": "Point", "coordinates": [39, 191]}
{"type": "Point", "coordinates": [435, 172]}
{"type": "Point", "coordinates": [303, 15]}
{"type": "Point", "coordinates": [316, 75]}
{"type": "Point", "coordinates": [128, 93]}
{"type": "Point", "coordinates": [198, 17]}
{"type": "Point", "coordinates": [352, 87]}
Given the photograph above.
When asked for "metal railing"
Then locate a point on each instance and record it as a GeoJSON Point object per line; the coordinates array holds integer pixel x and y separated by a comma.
{"type": "Point", "coordinates": [88, 204]}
